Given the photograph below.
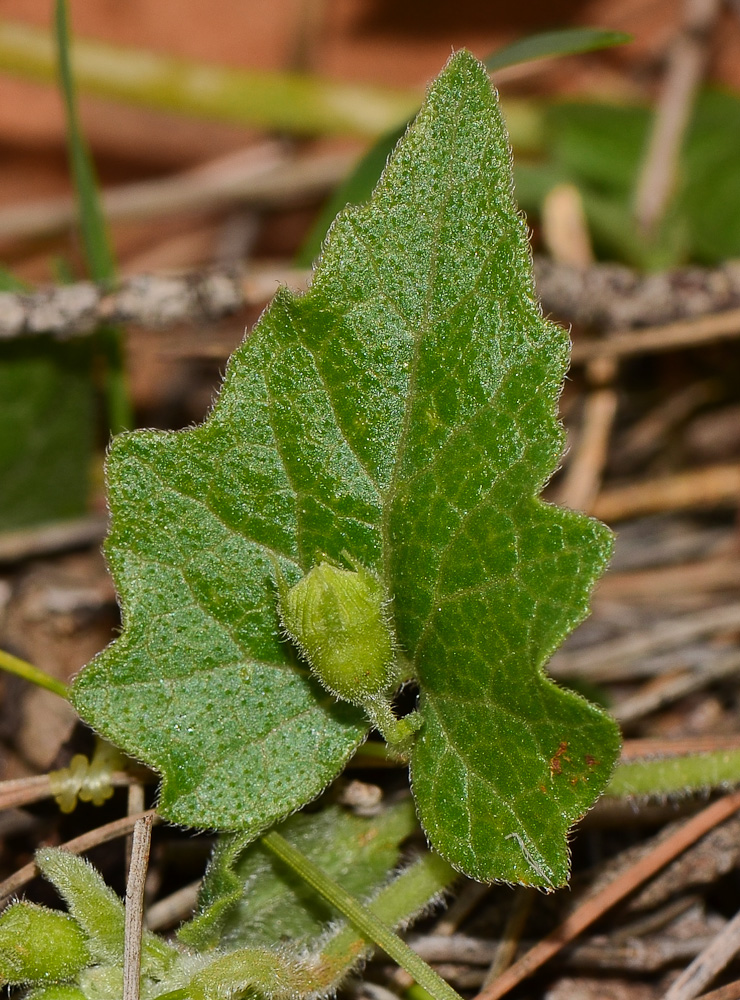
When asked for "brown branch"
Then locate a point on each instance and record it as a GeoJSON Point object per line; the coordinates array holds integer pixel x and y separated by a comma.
{"type": "Point", "coordinates": [19, 792]}
{"type": "Point", "coordinates": [262, 175]}
{"type": "Point", "coordinates": [586, 463]}
{"type": "Point", "coordinates": [142, 839]}
{"type": "Point", "coordinates": [56, 537]}
{"type": "Point", "coordinates": [613, 297]}
{"type": "Point", "coordinates": [701, 576]}
{"type": "Point", "coordinates": [687, 333]}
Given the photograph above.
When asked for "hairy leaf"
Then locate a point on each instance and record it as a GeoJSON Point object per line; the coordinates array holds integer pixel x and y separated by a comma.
{"type": "Point", "coordinates": [358, 185]}
{"type": "Point", "coordinates": [98, 911]}
{"type": "Point", "coordinates": [249, 899]}
{"type": "Point", "coordinates": [400, 416]}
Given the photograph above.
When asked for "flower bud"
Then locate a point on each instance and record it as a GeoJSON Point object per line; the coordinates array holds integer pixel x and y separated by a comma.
{"type": "Point", "coordinates": [336, 618]}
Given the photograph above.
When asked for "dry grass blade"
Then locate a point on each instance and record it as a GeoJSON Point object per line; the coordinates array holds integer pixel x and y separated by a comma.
{"type": "Point", "coordinates": [673, 336]}
{"type": "Point", "coordinates": [23, 791]}
{"type": "Point", "coordinates": [705, 576]}
{"type": "Point", "coordinates": [687, 60]}
{"type": "Point", "coordinates": [265, 175]}
{"type": "Point", "coordinates": [173, 909]}
{"type": "Point", "coordinates": [659, 747]}
{"type": "Point", "coordinates": [729, 992]}
{"type": "Point", "coordinates": [17, 545]}
{"type": "Point", "coordinates": [585, 469]}
{"type": "Point", "coordinates": [669, 689]}
{"type": "Point", "coordinates": [611, 660]}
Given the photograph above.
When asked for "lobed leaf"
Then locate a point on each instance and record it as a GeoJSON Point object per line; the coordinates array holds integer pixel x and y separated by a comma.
{"type": "Point", "coordinates": [400, 415]}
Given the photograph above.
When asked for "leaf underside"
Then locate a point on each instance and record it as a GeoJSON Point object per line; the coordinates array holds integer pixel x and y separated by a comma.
{"type": "Point", "coordinates": [249, 899]}
{"type": "Point", "coordinates": [401, 413]}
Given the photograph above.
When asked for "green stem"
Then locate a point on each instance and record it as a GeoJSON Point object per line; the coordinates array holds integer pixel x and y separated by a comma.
{"type": "Point", "coordinates": [14, 665]}
{"type": "Point", "coordinates": [405, 897]}
{"type": "Point", "coordinates": [679, 775]}
{"type": "Point", "coordinates": [289, 102]}
{"type": "Point", "coordinates": [364, 920]}
{"type": "Point", "coordinates": [374, 753]}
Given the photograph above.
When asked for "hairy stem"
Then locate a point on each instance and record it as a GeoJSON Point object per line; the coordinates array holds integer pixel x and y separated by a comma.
{"type": "Point", "coordinates": [370, 926]}
{"type": "Point", "coordinates": [679, 775]}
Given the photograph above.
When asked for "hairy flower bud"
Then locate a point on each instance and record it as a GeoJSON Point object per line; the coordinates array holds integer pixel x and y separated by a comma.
{"type": "Point", "coordinates": [336, 618]}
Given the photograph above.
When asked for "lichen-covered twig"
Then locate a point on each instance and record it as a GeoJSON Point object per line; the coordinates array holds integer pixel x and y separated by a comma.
{"type": "Point", "coordinates": [605, 297]}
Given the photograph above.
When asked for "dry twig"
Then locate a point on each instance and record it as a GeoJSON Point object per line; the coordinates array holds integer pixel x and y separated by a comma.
{"type": "Point", "coordinates": [613, 297]}
{"type": "Point", "coordinates": [686, 62]}
{"type": "Point", "coordinates": [674, 336]}
{"type": "Point", "coordinates": [265, 175]}
{"type": "Point", "coordinates": [604, 297]}
{"type": "Point", "coordinates": [611, 661]}
{"type": "Point", "coordinates": [101, 835]}
{"type": "Point", "coordinates": [698, 489]}
{"type": "Point", "coordinates": [23, 791]}
{"type": "Point", "coordinates": [173, 908]}
{"type": "Point", "coordinates": [582, 479]}
{"type": "Point", "coordinates": [708, 963]}
{"type": "Point", "coordinates": [703, 576]}
{"type": "Point", "coordinates": [142, 839]}
{"type": "Point", "coordinates": [658, 695]}
{"type": "Point", "coordinates": [47, 538]}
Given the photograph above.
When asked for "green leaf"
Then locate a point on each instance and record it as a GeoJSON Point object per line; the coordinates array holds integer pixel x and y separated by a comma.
{"type": "Point", "coordinates": [46, 431]}
{"type": "Point", "coordinates": [359, 184]}
{"type": "Point", "coordinates": [62, 991]}
{"type": "Point", "coordinates": [38, 945]}
{"type": "Point", "coordinates": [259, 972]}
{"type": "Point", "coordinates": [362, 918]}
{"type": "Point", "coordinates": [710, 196]}
{"type": "Point", "coordinates": [250, 899]}
{"type": "Point", "coordinates": [98, 911]}
{"type": "Point", "coordinates": [9, 282]}
{"type": "Point", "coordinates": [565, 42]}
{"type": "Point", "coordinates": [400, 415]}
{"type": "Point", "coordinates": [599, 147]}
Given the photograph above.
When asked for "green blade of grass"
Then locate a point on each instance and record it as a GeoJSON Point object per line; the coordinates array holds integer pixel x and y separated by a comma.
{"type": "Point", "coordinates": [98, 250]}
{"type": "Point", "coordinates": [21, 668]}
{"type": "Point", "coordinates": [551, 44]}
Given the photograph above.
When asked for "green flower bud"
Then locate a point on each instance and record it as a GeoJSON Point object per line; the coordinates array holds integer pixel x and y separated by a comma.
{"type": "Point", "coordinates": [38, 945]}
{"type": "Point", "coordinates": [336, 618]}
